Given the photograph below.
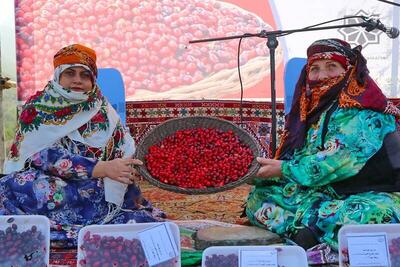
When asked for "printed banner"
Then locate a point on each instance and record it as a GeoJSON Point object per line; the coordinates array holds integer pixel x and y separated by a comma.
{"type": "Point", "coordinates": [148, 42]}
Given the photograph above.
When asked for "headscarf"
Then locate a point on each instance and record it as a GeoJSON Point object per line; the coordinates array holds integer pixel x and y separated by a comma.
{"type": "Point", "coordinates": [352, 89]}
{"type": "Point", "coordinates": [58, 112]}
{"type": "Point", "coordinates": [74, 54]}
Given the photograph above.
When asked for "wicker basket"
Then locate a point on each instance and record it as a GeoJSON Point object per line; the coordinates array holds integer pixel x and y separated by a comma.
{"type": "Point", "coordinates": [169, 127]}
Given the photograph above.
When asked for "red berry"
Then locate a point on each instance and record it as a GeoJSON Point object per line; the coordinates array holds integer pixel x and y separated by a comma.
{"type": "Point", "coordinates": [199, 158]}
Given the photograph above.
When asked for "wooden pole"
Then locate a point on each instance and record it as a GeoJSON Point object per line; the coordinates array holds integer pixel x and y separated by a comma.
{"type": "Point", "coordinates": [2, 136]}
{"type": "Point", "coordinates": [2, 148]}
{"type": "Point", "coordinates": [5, 83]}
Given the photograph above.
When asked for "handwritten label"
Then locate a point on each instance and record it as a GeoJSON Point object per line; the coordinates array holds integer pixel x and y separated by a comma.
{"type": "Point", "coordinates": [158, 244]}
{"type": "Point", "coordinates": [368, 250]}
{"type": "Point", "coordinates": [258, 258]}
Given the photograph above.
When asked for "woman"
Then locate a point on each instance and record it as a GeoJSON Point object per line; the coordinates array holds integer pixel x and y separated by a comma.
{"type": "Point", "coordinates": [339, 161]}
{"type": "Point", "coordinates": [71, 159]}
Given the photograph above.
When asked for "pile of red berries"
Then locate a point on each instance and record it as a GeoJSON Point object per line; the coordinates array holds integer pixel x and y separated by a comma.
{"type": "Point", "coordinates": [113, 251]}
{"type": "Point", "coordinates": [22, 248]}
{"type": "Point", "coordinates": [199, 158]}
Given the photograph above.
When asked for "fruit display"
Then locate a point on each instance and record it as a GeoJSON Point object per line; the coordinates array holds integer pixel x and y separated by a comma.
{"type": "Point", "coordinates": [232, 260]}
{"type": "Point", "coordinates": [108, 250]}
{"type": "Point", "coordinates": [199, 158]}
{"type": "Point", "coordinates": [22, 243]}
{"type": "Point", "coordinates": [147, 41]}
{"type": "Point", "coordinates": [215, 260]}
{"type": "Point", "coordinates": [131, 244]}
{"type": "Point", "coordinates": [287, 256]}
{"type": "Point", "coordinates": [394, 251]}
{"type": "Point", "coordinates": [382, 241]}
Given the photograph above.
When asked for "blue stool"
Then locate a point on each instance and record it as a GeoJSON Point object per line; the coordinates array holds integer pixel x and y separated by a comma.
{"type": "Point", "coordinates": [112, 86]}
{"type": "Point", "coordinates": [291, 75]}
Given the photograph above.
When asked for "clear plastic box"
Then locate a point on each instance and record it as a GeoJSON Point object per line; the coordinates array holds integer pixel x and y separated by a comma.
{"type": "Point", "coordinates": [391, 237]}
{"type": "Point", "coordinates": [288, 256]}
{"type": "Point", "coordinates": [119, 245]}
{"type": "Point", "coordinates": [24, 240]}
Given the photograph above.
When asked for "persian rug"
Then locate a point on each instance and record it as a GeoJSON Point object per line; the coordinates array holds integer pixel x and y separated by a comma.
{"type": "Point", "coordinates": [254, 117]}
{"type": "Point", "coordinates": [63, 257]}
{"type": "Point", "coordinates": [227, 206]}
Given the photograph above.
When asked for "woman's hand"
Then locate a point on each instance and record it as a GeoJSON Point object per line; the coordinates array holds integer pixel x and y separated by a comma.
{"type": "Point", "coordinates": [269, 168]}
{"type": "Point", "coordinates": [120, 170]}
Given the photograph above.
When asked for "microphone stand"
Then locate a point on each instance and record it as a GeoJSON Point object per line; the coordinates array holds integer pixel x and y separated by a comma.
{"type": "Point", "coordinates": [388, 2]}
{"type": "Point", "coordinates": [272, 44]}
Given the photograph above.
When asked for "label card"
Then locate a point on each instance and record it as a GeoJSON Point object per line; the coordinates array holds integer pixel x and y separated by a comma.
{"type": "Point", "coordinates": [158, 244]}
{"type": "Point", "coordinates": [258, 258]}
{"type": "Point", "coordinates": [368, 250]}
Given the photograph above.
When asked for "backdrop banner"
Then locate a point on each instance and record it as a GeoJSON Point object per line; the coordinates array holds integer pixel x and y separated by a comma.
{"type": "Point", "coordinates": [148, 42]}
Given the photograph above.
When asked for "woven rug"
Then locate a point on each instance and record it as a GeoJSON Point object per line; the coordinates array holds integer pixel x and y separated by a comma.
{"type": "Point", "coordinates": [142, 116]}
{"type": "Point", "coordinates": [63, 257]}
{"type": "Point", "coordinates": [225, 206]}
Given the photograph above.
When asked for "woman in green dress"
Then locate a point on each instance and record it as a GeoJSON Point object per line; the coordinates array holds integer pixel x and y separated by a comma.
{"type": "Point", "coordinates": [339, 159]}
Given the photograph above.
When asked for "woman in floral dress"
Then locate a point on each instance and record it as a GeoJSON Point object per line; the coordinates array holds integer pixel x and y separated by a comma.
{"type": "Point", "coordinates": [339, 160]}
{"type": "Point", "coordinates": [71, 159]}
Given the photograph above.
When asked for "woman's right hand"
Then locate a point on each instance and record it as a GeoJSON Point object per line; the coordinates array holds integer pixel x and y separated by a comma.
{"type": "Point", "coordinates": [269, 168]}
{"type": "Point", "coordinates": [120, 170]}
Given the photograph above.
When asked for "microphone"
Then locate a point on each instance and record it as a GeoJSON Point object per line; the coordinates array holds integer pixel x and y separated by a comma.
{"type": "Point", "coordinates": [373, 24]}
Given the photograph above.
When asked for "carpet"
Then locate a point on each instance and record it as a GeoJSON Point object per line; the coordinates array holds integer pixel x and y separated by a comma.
{"type": "Point", "coordinates": [142, 116]}
{"type": "Point", "coordinates": [63, 257]}
{"type": "Point", "coordinates": [227, 206]}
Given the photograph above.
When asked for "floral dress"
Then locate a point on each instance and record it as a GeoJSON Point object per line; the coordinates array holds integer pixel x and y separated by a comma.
{"type": "Point", "coordinates": [57, 182]}
{"type": "Point", "coordinates": [304, 196]}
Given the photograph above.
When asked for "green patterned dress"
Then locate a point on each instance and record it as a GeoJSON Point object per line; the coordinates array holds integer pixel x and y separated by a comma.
{"type": "Point", "coordinates": [304, 196]}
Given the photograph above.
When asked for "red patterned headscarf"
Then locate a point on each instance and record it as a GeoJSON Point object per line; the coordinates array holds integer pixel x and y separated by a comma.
{"type": "Point", "coordinates": [352, 89]}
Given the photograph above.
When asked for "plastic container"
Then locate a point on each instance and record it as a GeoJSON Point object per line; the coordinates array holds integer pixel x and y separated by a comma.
{"type": "Point", "coordinates": [288, 256]}
{"type": "Point", "coordinates": [384, 237]}
{"type": "Point", "coordinates": [24, 240]}
{"type": "Point", "coordinates": [120, 244]}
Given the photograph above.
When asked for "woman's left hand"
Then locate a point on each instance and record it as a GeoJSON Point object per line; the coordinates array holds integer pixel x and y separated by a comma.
{"type": "Point", "coordinates": [269, 168]}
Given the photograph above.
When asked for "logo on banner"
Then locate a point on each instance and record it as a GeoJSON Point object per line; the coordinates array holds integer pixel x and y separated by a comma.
{"type": "Point", "coordinates": [358, 35]}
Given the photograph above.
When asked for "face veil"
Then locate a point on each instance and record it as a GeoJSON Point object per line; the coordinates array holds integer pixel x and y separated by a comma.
{"type": "Point", "coordinates": [354, 89]}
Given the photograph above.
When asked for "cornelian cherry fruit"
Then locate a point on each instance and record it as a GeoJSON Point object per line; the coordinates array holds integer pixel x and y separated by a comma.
{"type": "Point", "coordinates": [199, 158]}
